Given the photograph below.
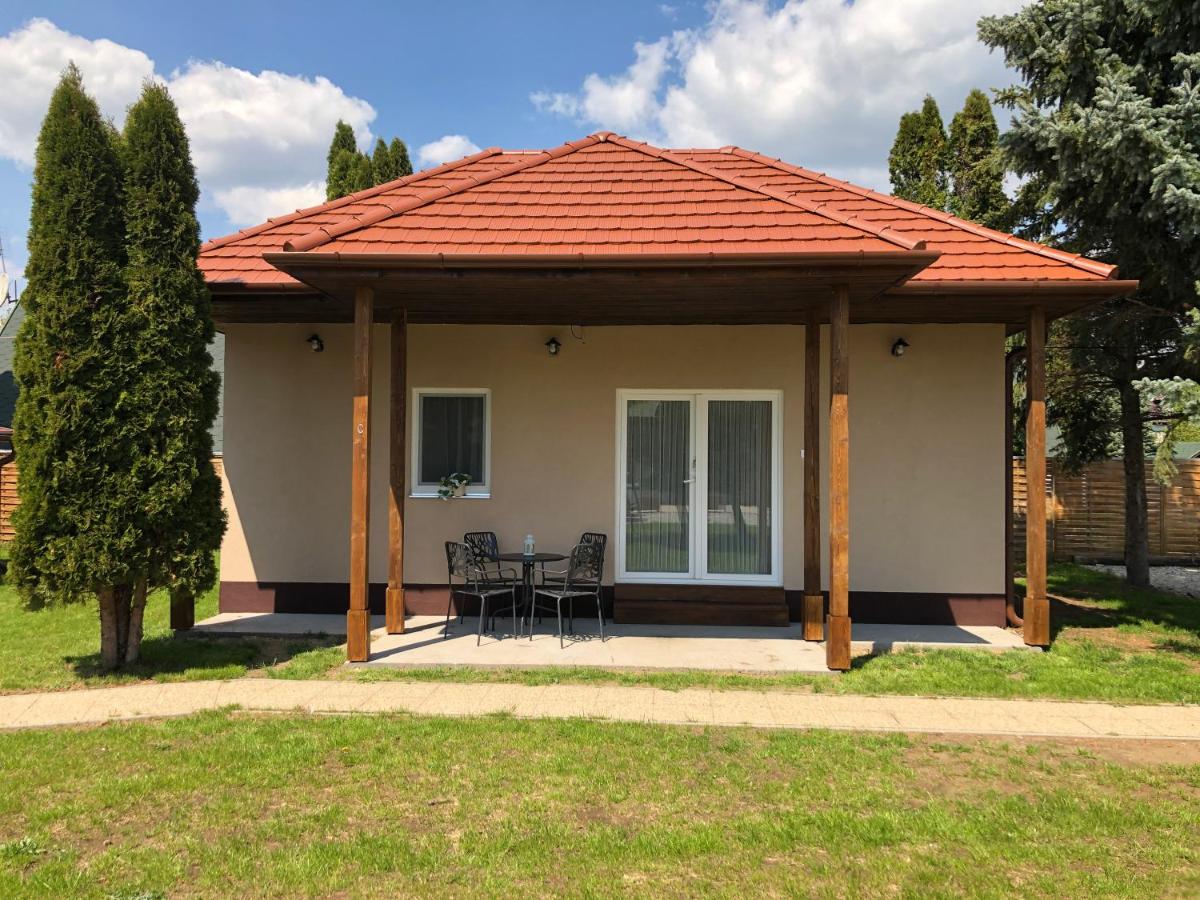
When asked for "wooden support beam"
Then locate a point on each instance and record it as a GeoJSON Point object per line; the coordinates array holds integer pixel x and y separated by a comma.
{"type": "Point", "coordinates": [358, 619]}
{"type": "Point", "coordinates": [837, 639]}
{"type": "Point", "coordinates": [1037, 606]}
{"type": "Point", "coordinates": [397, 454]}
{"type": "Point", "coordinates": [813, 615]}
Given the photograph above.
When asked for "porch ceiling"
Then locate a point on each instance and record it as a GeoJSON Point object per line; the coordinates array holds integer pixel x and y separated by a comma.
{"type": "Point", "coordinates": [642, 290]}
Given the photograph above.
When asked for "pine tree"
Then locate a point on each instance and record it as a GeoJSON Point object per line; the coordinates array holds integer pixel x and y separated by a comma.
{"type": "Point", "coordinates": [174, 398]}
{"type": "Point", "coordinates": [399, 153]}
{"type": "Point", "coordinates": [917, 163]}
{"type": "Point", "coordinates": [1106, 132]}
{"type": "Point", "coordinates": [975, 168]}
{"type": "Point", "coordinates": [78, 525]}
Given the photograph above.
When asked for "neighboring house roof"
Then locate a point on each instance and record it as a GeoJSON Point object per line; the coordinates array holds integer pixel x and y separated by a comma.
{"type": "Point", "coordinates": [8, 385]}
{"type": "Point", "coordinates": [608, 195]}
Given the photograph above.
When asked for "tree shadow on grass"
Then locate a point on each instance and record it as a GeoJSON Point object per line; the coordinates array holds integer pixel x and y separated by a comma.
{"type": "Point", "coordinates": [171, 658]}
{"type": "Point", "coordinates": [1083, 598]}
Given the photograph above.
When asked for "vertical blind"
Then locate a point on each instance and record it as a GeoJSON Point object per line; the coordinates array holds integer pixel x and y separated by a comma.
{"type": "Point", "coordinates": [739, 487]}
{"type": "Point", "coordinates": [657, 472]}
{"type": "Point", "coordinates": [452, 436]}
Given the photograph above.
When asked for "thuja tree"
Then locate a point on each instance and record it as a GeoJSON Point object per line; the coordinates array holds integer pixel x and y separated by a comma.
{"type": "Point", "coordinates": [917, 162]}
{"type": "Point", "coordinates": [974, 164]}
{"type": "Point", "coordinates": [78, 528]}
{"type": "Point", "coordinates": [173, 397]}
{"type": "Point", "coordinates": [1106, 131]}
{"type": "Point", "coordinates": [348, 170]}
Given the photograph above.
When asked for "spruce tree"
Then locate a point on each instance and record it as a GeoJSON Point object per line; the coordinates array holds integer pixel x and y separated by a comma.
{"type": "Point", "coordinates": [1106, 133]}
{"type": "Point", "coordinates": [975, 168]}
{"type": "Point", "coordinates": [917, 162]}
{"type": "Point", "coordinates": [173, 399]}
{"type": "Point", "coordinates": [78, 525]}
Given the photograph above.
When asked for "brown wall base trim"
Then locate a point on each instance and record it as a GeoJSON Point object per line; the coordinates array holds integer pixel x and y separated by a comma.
{"type": "Point", "coordinates": [895, 607]}
{"type": "Point", "coordinates": [914, 608]}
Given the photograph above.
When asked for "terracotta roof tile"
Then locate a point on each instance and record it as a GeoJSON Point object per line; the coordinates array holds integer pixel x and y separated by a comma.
{"type": "Point", "coordinates": [607, 194]}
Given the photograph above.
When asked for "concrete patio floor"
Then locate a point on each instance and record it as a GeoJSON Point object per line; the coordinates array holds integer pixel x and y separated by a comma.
{"type": "Point", "coordinates": [740, 649]}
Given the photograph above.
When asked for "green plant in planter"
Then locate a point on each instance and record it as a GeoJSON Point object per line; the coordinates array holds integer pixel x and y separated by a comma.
{"type": "Point", "coordinates": [453, 485]}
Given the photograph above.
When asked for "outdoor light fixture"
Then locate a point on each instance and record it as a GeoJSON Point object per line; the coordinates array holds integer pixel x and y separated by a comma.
{"type": "Point", "coordinates": [316, 343]}
{"type": "Point", "coordinates": [553, 346]}
{"type": "Point", "coordinates": [899, 347]}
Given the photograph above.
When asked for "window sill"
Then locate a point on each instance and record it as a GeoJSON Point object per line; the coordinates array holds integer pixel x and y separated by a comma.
{"type": "Point", "coordinates": [433, 495]}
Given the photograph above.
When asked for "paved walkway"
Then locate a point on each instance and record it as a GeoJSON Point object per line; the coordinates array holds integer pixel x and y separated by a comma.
{"type": "Point", "coordinates": [637, 704]}
{"type": "Point", "coordinates": [731, 648]}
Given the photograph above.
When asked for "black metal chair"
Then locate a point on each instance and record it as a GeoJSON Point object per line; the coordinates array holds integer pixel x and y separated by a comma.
{"type": "Point", "coordinates": [462, 563]}
{"type": "Point", "coordinates": [555, 578]}
{"type": "Point", "coordinates": [487, 548]}
{"type": "Point", "coordinates": [582, 579]}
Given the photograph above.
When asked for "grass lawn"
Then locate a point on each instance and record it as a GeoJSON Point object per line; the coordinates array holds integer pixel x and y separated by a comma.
{"type": "Point", "coordinates": [1112, 642]}
{"type": "Point", "coordinates": [58, 647]}
{"type": "Point", "coordinates": [226, 804]}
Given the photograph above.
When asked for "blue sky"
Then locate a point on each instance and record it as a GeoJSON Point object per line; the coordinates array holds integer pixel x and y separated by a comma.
{"type": "Point", "coordinates": [819, 82]}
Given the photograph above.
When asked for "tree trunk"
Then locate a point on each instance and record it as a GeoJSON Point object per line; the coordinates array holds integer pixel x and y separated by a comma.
{"type": "Point", "coordinates": [122, 593]}
{"type": "Point", "coordinates": [110, 656]}
{"type": "Point", "coordinates": [137, 609]}
{"type": "Point", "coordinates": [1137, 513]}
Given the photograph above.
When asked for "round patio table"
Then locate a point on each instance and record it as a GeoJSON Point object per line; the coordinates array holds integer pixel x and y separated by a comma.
{"type": "Point", "coordinates": [528, 561]}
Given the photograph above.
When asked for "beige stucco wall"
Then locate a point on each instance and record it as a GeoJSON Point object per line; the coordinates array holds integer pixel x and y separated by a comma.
{"type": "Point", "coordinates": [926, 443]}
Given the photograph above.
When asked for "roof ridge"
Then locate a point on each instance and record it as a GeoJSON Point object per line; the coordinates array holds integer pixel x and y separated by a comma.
{"type": "Point", "coordinates": [325, 234]}
{"type": "Point", "coordinates": [1073, 259]}
{"type": "Point", "coordinates": [351, 198]}
{"type": "Point", "coordinates": [886, 234]}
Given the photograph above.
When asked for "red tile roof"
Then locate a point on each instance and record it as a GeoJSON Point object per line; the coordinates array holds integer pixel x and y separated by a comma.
{"type": "Point", "coordinates": [608, 195]}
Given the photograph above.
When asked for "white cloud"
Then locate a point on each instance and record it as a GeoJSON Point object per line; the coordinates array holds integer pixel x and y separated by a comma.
{"type": "Point", "coordinates": [818, 82]}
{"type": "Point", "coordinates": [445, 149]}
{"type": "Point", "coordinates": [246, 203]}
{"type": "Point", "coordinates": [256, 138]}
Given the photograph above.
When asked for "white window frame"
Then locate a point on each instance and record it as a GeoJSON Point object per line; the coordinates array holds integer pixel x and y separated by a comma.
{"type": "Point", "coordinates": [698, 548]}
{"type": "Point", "coordinates": [474, 490]}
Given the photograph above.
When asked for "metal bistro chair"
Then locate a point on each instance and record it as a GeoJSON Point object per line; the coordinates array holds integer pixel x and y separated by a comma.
{"type": "Point", "coordinates": [582, 580]}
{"type": "Point", "coordinates": [487, 548]}
{"type": "Point", "coordinates": [555, 579]}
{"type": "Point", "coordinates": [462, 563]}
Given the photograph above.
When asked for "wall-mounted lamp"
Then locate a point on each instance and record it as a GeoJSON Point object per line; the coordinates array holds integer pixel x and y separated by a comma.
{"type": "Point", "coordinates": [316, 343]}
{"type": "Point", "coordinates": [553, 346]}
{"type": "Point", "coordinates": [899, 347]}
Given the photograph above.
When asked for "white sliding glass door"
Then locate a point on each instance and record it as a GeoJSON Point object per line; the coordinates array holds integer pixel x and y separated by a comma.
{"type": "Point", "coordinates": [699, 486]}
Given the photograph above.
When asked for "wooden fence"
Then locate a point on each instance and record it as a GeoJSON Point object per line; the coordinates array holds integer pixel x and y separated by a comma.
{"type": "Point", "coordinates": [1085, 515]}
{"type": "Point", "coordinates": [9, 499]}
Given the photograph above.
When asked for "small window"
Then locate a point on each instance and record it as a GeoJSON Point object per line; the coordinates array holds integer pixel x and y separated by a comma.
{"type": "Point", "coordinates": [451, 435]}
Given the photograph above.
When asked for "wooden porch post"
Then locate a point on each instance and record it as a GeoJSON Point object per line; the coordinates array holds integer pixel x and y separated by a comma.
{"type": "Point", "coordinates": [358, 619]}
{"type": "Point", "coordinates": [397, 454]}
{"type": "Point", "coordinates": [837, 640]}
{"type": "Point", "coordinates": [1037, 606]}
{"type": "Point", "coordinates": [814, 603]}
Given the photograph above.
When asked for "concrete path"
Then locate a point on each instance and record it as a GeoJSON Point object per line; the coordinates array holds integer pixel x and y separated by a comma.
{"type": "Point", "coordinates": [726, 648]}
{"type": "Point", "coordinates": [763, 709]}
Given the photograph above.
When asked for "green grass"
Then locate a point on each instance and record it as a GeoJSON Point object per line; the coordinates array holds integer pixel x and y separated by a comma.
{"type": "Point", "coordinates": [58, 647]}
{"type": "Point", "coordinates": [225, 805]}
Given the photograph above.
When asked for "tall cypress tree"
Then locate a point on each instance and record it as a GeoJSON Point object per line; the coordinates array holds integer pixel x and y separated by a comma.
{"type": "Point", "coordinates": [399, 153]}
{"type": "Point", "coordinates": [78, 525]}
{"type": "Point", "coordinates": [975, 168]}
{"type": "Point", "coordinates": [917, 162]}
{"type": "Point", "coordinates": [174, 398]}
{"type": "Point", "coordinates": [383, 167]}
{"type": "Point", "coordinates": [339, 162]}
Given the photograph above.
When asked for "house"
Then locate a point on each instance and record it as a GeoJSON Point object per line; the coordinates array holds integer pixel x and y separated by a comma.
{"type": "Point", "coordinates": [780, 394]}
{"type": "Point", "coordinates": [8, 384]}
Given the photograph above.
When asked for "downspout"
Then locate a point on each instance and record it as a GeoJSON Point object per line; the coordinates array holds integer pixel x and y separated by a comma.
{"type": "Point", "coordinates": [1010, 599]}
